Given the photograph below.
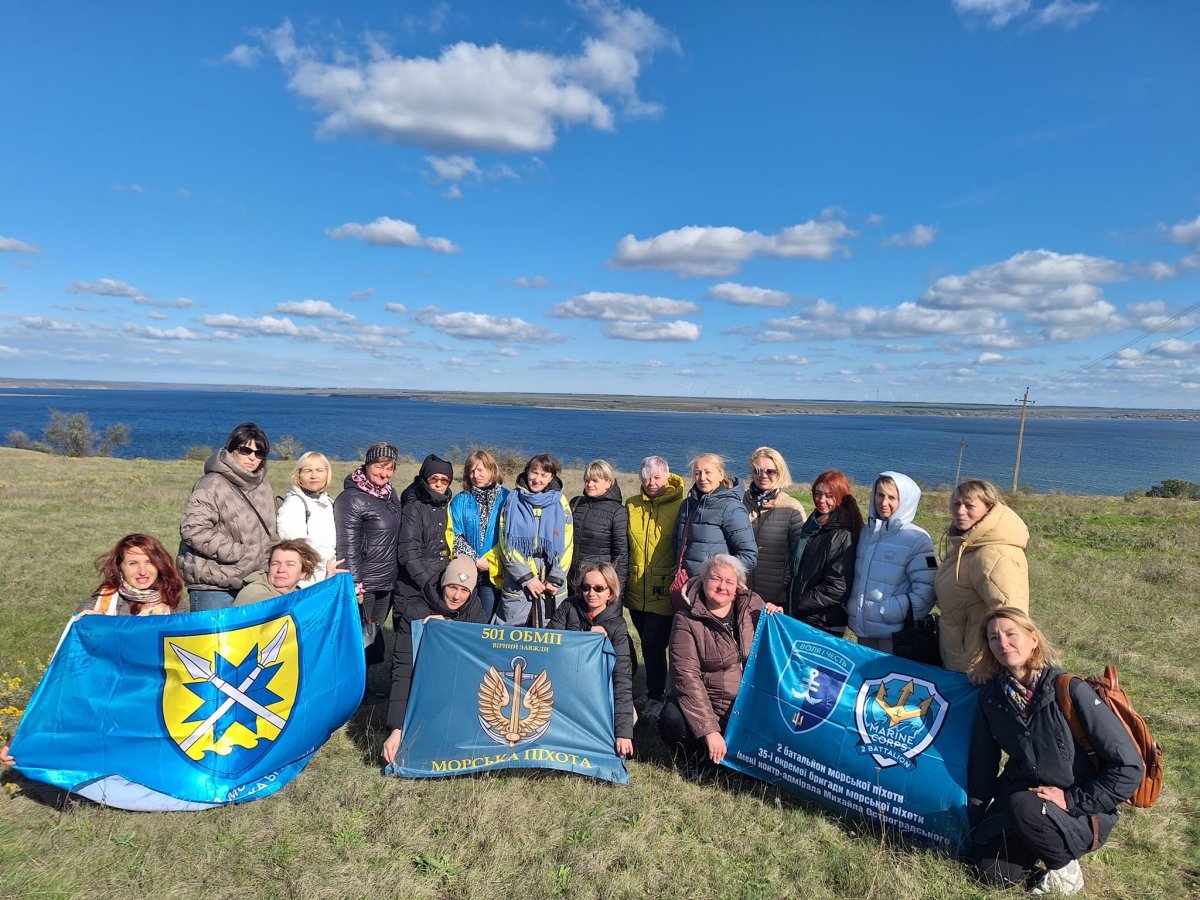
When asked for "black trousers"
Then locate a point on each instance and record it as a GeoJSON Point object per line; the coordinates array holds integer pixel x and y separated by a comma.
{"type": "Point", "coordinates": [655, 633]}
{"type": "Point", "coordinates": [1008, 857]}
{"type": "Point", "coordinates": [677, 734]}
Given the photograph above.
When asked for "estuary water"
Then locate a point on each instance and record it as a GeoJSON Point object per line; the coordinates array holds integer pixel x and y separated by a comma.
{"type": "Point", "coordinates": [1088, 456]}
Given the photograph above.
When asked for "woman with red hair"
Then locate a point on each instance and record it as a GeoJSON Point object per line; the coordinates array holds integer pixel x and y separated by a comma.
{"type": "Point", "coordinates": [822, 558]}
{"type": "Point", "coordinates": [137, 578]}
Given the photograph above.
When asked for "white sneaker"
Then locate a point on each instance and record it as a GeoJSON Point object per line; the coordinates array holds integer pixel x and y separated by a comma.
{"type": "Point", "coordinates": [1066, 881]}
{"type": "Point", "coordinates": [653, 708]}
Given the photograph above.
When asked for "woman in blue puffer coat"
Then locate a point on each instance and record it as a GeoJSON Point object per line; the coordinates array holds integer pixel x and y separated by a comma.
{"type": "Point", "coordinates": [713, 518]}
{"type": "Point", "coordinates": [894, 564]}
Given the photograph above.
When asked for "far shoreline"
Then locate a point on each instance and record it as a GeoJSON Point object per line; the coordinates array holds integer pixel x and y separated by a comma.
{"type": "Point", "coordinates": [631, 403]}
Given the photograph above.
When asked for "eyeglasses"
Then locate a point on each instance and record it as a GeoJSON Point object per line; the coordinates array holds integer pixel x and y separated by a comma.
{"type": "Point", "coordinates": [250, 451]}
{"type": "Point", "coordinates": [593, 588]}
{"type": "Point", "coordinates": [770, 473]}
{"type": "Point", "coordinates": [437, 479]}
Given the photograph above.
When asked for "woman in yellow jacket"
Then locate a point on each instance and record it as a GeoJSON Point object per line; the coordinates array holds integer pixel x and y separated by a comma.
{"type": "Point", "coordinates": [534, 544]}
{"type": "Point", "coordinates": [983, 568]}
{"type": "Point", "coordinates": [652, 559]}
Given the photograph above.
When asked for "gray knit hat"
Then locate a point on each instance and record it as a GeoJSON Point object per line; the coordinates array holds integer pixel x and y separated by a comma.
{"type": "Point", "coordinates": [461, 571]}
{"type": "Point", "coordinates": [377, 452]}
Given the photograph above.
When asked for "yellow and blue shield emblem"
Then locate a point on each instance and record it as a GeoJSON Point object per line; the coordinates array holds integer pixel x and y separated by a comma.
{"type": "Point", "coordinates": [228, 695]}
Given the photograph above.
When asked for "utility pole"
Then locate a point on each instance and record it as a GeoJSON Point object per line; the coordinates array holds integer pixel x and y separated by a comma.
{"type": "Point", "coordinates": [1024, 401]}
{"type": "Point", "coordinates": [958, 471]}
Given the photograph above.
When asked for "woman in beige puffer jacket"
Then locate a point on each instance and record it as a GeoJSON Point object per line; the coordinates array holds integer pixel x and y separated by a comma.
{"type": "Point", "coordinates": [777, 519]}
{"type": "Point", "coordinates": [983, 568]}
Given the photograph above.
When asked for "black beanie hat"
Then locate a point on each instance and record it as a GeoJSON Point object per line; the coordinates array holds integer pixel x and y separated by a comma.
{"type": "Point", "coordinates": [435, 465]}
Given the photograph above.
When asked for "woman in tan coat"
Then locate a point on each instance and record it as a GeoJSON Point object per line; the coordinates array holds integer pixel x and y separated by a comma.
{"type": "Point", "coordinates": [983, 568]}
{"type": "Point", "coordinates": [777, 519]}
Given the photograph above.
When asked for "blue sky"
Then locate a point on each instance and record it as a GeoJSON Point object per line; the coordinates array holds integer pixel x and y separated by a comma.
{"type": "Point", "coordinates": [941, 201]}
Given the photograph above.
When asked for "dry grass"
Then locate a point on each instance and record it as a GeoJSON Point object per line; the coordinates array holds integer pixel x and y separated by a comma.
{"type": "Point", "coordinates": [1113, 581]}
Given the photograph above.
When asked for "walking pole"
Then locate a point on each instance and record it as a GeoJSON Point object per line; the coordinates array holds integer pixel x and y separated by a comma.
{"type": "Point", "coordinates": [1024, 401]}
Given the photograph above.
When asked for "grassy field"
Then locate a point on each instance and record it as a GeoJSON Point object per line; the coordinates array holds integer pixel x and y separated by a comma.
{"type": "Point", "coordinates": [1113, 581]}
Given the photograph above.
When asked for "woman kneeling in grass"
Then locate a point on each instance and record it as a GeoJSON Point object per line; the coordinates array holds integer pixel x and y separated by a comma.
{"type": "Point", "coordinates": [1052, 802]}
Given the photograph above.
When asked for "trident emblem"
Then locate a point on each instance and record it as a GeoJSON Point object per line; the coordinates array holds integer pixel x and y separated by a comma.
{"type": "Point", "coordinates": [897, 714]}
{"type": "Point", "coordinates": [202, 669]}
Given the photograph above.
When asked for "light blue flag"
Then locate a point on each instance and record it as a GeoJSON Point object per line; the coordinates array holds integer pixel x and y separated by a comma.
{"type": "Point", "coordinates": [195, 710]}
{"type": "Point", "coordinates": [859, 731]}
{"type": "Point", "coordinates": [493, 697]}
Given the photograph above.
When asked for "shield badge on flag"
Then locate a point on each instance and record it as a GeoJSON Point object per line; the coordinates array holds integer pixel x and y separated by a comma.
{"type": "Point", "coordinates": [811, 684]}
{"type": "Point", "coordinates": [228, 695]}
{"type": "Point", "coordinates": [898, 716]}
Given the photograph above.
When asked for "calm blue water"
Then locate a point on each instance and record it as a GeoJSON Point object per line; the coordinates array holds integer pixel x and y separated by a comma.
{"type": "Point", "coordinates": [1093, 456]}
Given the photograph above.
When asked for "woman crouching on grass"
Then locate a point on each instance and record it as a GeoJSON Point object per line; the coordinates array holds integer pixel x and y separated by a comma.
{"type": "Point", "coordinates": [137, 578]}
{"type": "Point", "coordinates": [1052, 802]}
{"type": "Point", "coordinates": [596, 606]}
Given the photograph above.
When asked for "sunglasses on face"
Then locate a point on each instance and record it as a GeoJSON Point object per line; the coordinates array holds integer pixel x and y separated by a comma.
{"type": "Point", "coordinates": [770, 473]}
{"type": "Point", "coordinates": [437, 479]}
{"type": "Point", "coordinates": [250, 451]}
{"type": "Point", "coordinates": [594, 588]}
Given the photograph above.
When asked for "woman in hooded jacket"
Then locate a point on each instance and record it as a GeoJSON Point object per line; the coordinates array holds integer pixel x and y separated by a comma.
{"type": "Point", "coordinates": [894, 564]}
{"type": "Point", "coordinates": [777, 519]}
{"type": "Point", "coordinates": [601, 523]}
{"type": "Point", "coordinates": [306, 513]}
{"type": "Point", "coordinates": [474, 517]}
{"type": "Point", "coordinates": [823, 556]}
{"type": "Point", "coordinates": [423, 549]}
{"type": "Point", "coordinates": [534, 546]}
{"type": "Point", "coordinates": [229, 521]}
{"type": "Point", "coordinates": [983, 568]}
{"type": "Point", "coordinates": [367, 514]}
{"type": "Point", "coordinates": [713, 519]}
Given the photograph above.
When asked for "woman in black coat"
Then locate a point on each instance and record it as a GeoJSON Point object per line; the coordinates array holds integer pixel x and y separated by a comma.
{"type": "Point", "coordinates": [367, 517]}
{"type": "Point", "coordinates": [423, 549]}
{"type": "Point", "coordinates": [450, 597]}
{"type": "Point", "coordinates": [601, 523]}
{"type": "Point", "coordinates": [1051, 802]}
{"type": "Point", "coordinates": [596, 606]}
{"type": "Point", "coordinates": [822, 559]}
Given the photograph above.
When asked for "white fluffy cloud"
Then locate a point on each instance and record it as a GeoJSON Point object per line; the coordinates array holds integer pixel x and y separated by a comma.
{"type": "Point", "coordinates": [395, 307]}
{"type": "Point", "coordinates": [653, 331]}
{"type": "Point", "coordinates": [720, 251]}
{"type": "Point", "coordinates": [917, 236]}
{"type": "Point", "coordinates": [1186, 233]}
{"type": "Point", "coordinates": [177, 303]}
{"type": "Point", "coordinates": [261, 325]}
{"type": "Point", "coordinates": [105, 287]}
{"type": "Point", "coordinates": [1065, 14]}
{"type": "Point", "coordinates": [150, 332]}
{"type": "Point", "coordinates": [387, 232]}
{"type": "Point", "coordinates": [12, 245]}
{"type": "Point", "coordinates": [777, 359]}
{"type": "Point", "coordinates": [473, 97]}
{"type": "Point", "coordinates": [314, 309]}
{"type": "Point", "coordinates": [824, 320]}
{"type": "Point", "coordinates": [1154, 315]}
{"type": "Point", "coordinates": [612, 307]}
{"type": "Point", "coordinates": [1031, 280]}
{"type": "Point", "coordinates": [244, 56]}
{"type": "Point", "coordinates": [482, 327]}
{"type": "Point", "coordinates": [745, 295]}
{"type": "Point", "coordinates": [453, 168]}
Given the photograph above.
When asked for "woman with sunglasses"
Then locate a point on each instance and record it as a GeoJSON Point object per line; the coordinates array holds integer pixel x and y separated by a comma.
{"type": "Point", "coordinates": [777, 519]}
{"type": "Point", "coordinates": [595, 605]}
{"type": "Point", "coordinates": [229, 521]}
{"type": "Point", "coordinates": [424, 545]}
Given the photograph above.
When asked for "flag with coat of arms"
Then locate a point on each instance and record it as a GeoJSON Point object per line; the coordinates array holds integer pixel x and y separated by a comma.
{"type": "Point", "coordinates": [191, 711]}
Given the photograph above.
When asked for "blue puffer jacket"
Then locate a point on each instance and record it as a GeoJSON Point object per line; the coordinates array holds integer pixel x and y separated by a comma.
{"type": "Point", "coordinates": [893, 568]}
{"type": "Point", "coordinates": [716, 522]}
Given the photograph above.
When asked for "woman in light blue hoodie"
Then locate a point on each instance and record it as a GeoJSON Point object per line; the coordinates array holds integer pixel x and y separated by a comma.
{"type": "Point", "coordinates": [894, 565]}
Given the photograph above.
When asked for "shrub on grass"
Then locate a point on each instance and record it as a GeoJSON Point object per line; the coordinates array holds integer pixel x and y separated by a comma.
{"type": "Point", "coordinates": [197, 453]}
{"type": "Point", "coordinates": [287, 447]}
{"type": "Point", "coordinates": [70, 434]}
{"type": "Point", "coordinates": [1174, 487]}
{"type": "Point", "coordinates": [21, 441]}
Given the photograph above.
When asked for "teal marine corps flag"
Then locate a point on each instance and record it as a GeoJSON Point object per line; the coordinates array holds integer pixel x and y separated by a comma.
{"type": "Point", "coordinates": [197, 710]}
{"type": "Point", "coordinates": [488, 697]}
{"type": "Point", "coordinates": [859, 731]}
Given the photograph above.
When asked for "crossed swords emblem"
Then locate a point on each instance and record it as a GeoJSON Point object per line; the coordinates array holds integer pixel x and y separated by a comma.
{"type": "Point", "coordinates": [201, 669]}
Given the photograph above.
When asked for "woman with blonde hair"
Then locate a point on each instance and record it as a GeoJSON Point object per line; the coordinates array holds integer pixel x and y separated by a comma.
{"type": "Point", "coordinates": [983, 568]}
{"type": "Point", "coordinates": [776, 517]}
{"type": "Point", "coordinates": [713, 519]}
{"type": "Point", "coordinates": [1053, 801]}
{"type": "Point", "coordinates": [474, 515]}
{"type": "Point", "coordinates": [601, 523]}
{"type": "Point", "coordinates": [307, 512]}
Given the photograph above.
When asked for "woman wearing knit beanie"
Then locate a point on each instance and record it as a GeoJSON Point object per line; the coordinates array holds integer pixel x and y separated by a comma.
{"type": "Point", "coordinates": [424, 547]}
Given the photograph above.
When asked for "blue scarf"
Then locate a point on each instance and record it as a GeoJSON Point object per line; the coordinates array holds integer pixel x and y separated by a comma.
{"type": "Point", "coordinates": [527, 533]}
{"type": "Point", "coordinates": [473, 516]}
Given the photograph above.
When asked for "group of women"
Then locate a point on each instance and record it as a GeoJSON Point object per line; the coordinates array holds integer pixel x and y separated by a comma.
{"type": "Point", "coordinates": [694, 569]}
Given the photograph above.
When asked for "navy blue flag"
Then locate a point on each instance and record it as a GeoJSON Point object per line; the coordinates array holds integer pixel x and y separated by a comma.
{"type": "Point", "coordinates": [195, 710]}
{"type": "Point", "coordinates": [488, 697]}
{"type": "Point", "coordinates": [859, 731]}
